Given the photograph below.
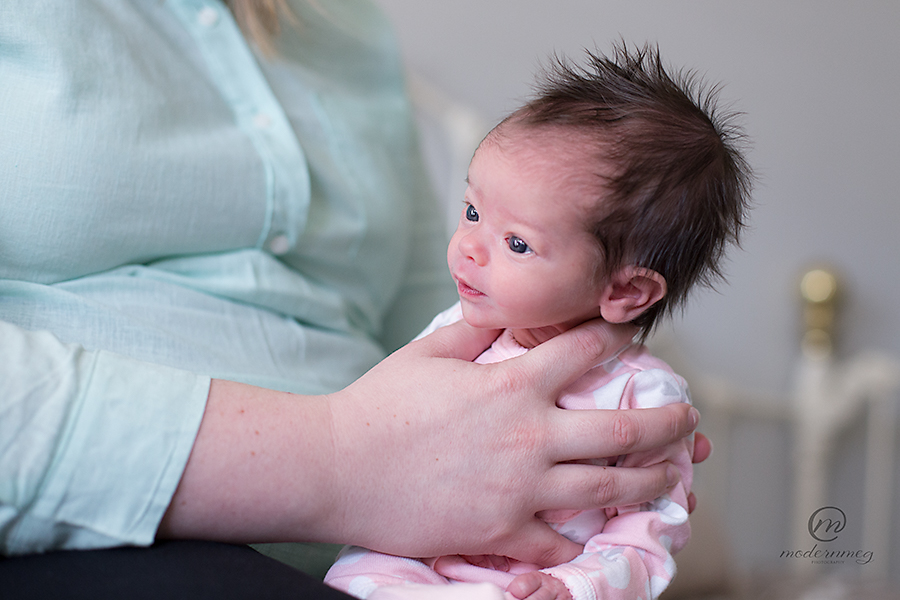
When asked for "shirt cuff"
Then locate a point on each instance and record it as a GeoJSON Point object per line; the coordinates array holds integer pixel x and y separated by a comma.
{"type": "Point", "coordinates": [118, 458]}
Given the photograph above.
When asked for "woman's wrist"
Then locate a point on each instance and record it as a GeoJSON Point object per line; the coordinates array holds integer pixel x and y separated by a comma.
{"type": "Point", "coordinates": [259, 469]}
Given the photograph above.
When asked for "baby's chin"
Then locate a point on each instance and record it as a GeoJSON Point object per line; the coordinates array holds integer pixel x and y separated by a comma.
{"type": "Point", "coordinates": [474, 318]}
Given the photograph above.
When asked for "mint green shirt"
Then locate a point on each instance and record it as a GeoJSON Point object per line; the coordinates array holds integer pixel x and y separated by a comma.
{"type": "Point", "coordinates": [176, 207]}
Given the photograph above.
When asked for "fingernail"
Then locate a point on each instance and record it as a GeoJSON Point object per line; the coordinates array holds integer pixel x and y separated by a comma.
{"type": "Point", "coordinates": [694, 418]}
{"type": "Point", "coordinates": [672, 476]}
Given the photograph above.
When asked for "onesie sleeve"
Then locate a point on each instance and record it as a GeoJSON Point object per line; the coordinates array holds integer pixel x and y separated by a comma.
{"type": "Point", "coordinates": [632, 556]}
{"type": "Point", "coordinates": [92, 444]}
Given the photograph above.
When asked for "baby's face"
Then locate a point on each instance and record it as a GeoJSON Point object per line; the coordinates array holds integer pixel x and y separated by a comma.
{"type": "Point", "coordinates": [522, 255]}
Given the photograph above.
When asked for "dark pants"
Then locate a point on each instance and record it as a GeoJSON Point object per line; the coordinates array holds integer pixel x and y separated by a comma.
{"type": "Point", "coordinates": [184, 569]}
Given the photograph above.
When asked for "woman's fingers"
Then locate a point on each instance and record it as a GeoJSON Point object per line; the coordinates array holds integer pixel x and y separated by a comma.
{"type": "Point", "coordinates": [536, 543]}
{"type": "Point", "coordinates": [587, 434]}
{"type": "Point", "coordinates": [703, 448]}
{"type": "Point", "coordinates": [585, 487]}
{"type": "Point", "coordinates": [459, 340]}
{"type": "Point", "coordinates": [563, 359]}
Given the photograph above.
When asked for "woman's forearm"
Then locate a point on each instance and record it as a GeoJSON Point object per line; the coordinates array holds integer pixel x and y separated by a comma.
{"type": "Point", "coordinates": [258, 470]}
{"type": "Point", "coordinates": [426, 454]}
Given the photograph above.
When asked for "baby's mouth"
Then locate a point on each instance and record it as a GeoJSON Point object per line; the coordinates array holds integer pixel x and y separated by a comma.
{"type": "Point", "coordinates": [465, 289]}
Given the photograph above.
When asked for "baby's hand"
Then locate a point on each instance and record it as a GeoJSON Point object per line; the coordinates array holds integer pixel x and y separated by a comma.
{"type": "Point", "coordinates": [538, 586]}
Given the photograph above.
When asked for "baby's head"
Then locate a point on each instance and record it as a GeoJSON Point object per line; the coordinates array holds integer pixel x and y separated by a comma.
{"type": "Point", "coordinates": [612, 193]}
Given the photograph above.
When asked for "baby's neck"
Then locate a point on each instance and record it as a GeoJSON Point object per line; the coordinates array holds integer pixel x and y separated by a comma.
{"type": "Point", "coordinates": [529, 338]}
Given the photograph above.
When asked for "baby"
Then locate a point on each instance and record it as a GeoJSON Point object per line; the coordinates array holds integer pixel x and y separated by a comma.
{"type": "Point", "coordinates": [611, 194]}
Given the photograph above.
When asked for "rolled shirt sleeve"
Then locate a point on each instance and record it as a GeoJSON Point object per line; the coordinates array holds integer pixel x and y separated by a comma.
{"type": "Point", "coordinates": [79, 427]}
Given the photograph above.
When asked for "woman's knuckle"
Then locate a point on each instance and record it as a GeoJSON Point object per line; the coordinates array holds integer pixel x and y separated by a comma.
{"type": "Point", "coordinates": [607, 491]}
{"type": "Point", "coordinates": [590, 342]}
{"type": "Point", "coordinates": [625, 432]}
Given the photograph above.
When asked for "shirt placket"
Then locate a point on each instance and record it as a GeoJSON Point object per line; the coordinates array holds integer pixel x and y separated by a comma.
{"type": "Point", "coordinates": [258, 113]}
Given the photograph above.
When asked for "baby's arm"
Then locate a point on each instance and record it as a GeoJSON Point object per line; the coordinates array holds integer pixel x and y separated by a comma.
{"type": "Point", "coordinates": [632, 556]}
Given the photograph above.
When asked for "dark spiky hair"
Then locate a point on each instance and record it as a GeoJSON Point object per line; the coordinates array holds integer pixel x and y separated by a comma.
{"type": "Point", "coordinates": [673, 184]}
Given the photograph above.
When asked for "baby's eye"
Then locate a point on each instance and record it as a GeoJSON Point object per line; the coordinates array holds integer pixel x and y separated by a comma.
{"type": "Point", "coordinates": [471, 213]}
{"type": "Point", "coordinates": [517, 244]}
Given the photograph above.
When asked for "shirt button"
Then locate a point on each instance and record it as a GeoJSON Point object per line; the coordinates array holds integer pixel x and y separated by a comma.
{"type": "Point", "coordinates": [280, 244]}
{"type": "Point", "coordinates": [262, 121]}
{"type": "Point", "coordinates": [208, 16]}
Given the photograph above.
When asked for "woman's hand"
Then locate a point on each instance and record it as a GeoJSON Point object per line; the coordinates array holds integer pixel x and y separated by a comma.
{"type": "Point", "coordinates": [426, 454]}
{"type": "Point", "coordinates": [439, 455]}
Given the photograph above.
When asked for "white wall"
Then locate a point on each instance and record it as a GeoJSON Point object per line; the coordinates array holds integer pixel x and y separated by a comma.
{"type": "Point", "coordinates": [819, 81]}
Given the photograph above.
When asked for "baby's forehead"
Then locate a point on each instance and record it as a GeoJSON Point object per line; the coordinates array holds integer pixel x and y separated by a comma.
{"type": "Point", "coordinates": [563, 146]}
{"type": "Point", "coordinates": [573, 160]}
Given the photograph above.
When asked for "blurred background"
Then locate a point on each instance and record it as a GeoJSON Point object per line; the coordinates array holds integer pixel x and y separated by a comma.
{"type": "Point", "coordinates": [797, 427]}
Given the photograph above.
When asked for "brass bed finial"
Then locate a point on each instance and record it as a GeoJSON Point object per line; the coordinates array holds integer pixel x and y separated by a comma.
{"type": "Point", "coordinates": [820, 290]}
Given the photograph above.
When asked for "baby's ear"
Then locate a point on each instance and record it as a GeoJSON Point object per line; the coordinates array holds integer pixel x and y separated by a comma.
{"type": "Point", "coordinates": [630, 292]}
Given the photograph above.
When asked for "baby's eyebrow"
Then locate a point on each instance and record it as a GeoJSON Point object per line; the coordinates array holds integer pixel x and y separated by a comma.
{"type": "Point", "coordinates": [473, 188]}
{"type": "Point", "coordinates": [469, 179]}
